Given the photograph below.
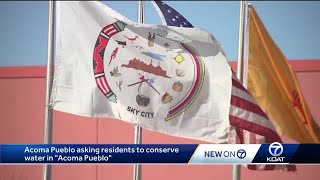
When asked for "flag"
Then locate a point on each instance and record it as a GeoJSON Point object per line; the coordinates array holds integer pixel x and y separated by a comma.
{"type": "Point", "coordinates": [172, 80]}
{"type": "Point", "coordinates": [169, 16]}
{"type": "Point", "coordinates": [275, 87]}
{"type": "Point", "coordinates": [243, 107]}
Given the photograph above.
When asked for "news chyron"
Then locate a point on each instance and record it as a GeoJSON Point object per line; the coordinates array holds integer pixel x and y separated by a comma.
{"type": "Point", "coordinates": [274, 153]}
{"type": "Point", "coordinates": [224, 154]}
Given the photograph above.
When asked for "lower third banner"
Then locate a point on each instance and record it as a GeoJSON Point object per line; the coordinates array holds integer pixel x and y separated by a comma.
{"type": "Point", "coordinates": [274, 153]}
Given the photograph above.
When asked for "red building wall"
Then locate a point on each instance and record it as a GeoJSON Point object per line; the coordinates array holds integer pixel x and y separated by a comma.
{"type": "Point", "coordinates": [22, 100]}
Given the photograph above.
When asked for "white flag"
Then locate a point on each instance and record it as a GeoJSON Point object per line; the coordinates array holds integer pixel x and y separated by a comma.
{"type": "Point", "coordinates": [172, 80]}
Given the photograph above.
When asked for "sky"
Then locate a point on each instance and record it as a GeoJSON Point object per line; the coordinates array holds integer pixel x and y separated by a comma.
{"type": "Point", "coordinates": [294, 26]}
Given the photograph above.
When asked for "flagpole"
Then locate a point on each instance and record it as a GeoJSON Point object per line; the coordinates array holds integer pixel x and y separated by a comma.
{"type": "Point", "coordinates": [245, 56]}
{"type": "Point", "coordinates": [241, 42]}
{"type": "Point", "coordinates": [46, 174]}
{"type": "Point", "coordinates": [138, 129]}
{"type": "Point", "coordinates": [236, 169]}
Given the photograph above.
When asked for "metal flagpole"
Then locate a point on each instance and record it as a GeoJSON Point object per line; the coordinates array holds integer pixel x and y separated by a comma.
{"type": "Point", "coordinates": [48, 110]}
{"type": "Point", "coordinates": [138, 129]}
{"type": "Point", "coordinates": [241, 42]}
{"type": "Point", "coordinates": [245, 46]}
{"type": "Point", "coordinates": [236, 169]}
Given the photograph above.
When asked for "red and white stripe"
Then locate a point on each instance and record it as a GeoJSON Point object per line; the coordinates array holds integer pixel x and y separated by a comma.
{"type": "Point", "coordinates": [250, 123]}
{"type": "Point", "coordinates": [103, 85]}
{"type": "Point", "coordinates": [109, 30]}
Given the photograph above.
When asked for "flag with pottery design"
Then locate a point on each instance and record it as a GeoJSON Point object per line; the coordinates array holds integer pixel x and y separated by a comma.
{"type": "Point", "coordinates": [172, 80]}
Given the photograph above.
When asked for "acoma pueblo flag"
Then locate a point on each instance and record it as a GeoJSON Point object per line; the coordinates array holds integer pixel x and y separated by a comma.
{"type": "Point", "coordinates": [172, 80]}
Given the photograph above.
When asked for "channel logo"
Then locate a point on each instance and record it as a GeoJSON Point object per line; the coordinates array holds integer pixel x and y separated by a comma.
{"type": "Point", "coordinates": [275, 150]}
{"type": "Point", "coordinates": [241, 154]}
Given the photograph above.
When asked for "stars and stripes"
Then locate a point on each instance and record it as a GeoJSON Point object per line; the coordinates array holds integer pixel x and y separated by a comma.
{"type": "Point", "coordinates": [251, 124]}
{"type": "Point", "coordinates": [169, 16]}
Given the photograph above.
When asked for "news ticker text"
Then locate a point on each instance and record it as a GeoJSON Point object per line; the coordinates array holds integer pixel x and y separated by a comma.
{"type": "Point", "coordinates": [274, 153]}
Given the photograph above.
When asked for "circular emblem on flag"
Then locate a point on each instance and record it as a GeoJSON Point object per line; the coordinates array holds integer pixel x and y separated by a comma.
{"type": "Point", "coordinates": [146, 72]}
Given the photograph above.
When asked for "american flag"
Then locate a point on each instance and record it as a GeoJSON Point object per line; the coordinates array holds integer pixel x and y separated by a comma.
{"type": "Point", "coordinates": [251, 124]}
{"type": "Point", "coordinates": [170, 16]}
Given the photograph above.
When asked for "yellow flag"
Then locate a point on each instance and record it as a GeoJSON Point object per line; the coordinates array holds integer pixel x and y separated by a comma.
{"type": "Point", "coordinates": [275, 87]}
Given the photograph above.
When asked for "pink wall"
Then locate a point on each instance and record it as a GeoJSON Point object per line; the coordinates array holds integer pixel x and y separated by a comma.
{"type": "Point", "coordinates": [22, 100]}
